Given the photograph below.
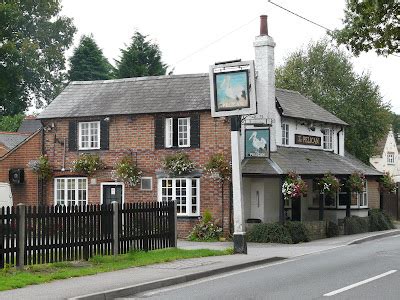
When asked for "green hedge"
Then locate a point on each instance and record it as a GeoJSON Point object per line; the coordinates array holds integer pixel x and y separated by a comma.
{"type": "Point", "coordinates": [269, 233]}
{"type": "Point", "coordinates": [332, 229]}
{"type": "Point", "coordinates": [379, 220]}
{"type": "Point", "coordinates": [354, 225]}
{"type": "Point", "coordinates": [298, 232]}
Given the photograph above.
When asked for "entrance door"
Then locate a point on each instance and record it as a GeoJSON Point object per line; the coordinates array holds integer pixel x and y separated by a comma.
{"type": "Point", "coordinates": [296, 209]}
{"type": "Point", "coordinates": [257, 201]}
{"type": "Point", "coordinates": [111, 193]}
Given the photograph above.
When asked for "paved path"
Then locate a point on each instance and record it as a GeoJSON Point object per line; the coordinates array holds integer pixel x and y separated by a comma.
{"type": "Point", "coordinates": [75, 287]}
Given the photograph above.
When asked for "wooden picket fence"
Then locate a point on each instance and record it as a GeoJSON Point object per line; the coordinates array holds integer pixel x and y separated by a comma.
{"type": "Point", "coordinates": [45, 234]}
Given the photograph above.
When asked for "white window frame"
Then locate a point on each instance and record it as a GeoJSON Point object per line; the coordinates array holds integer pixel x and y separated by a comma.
{"type": "Point", "coordinates": [285, 134]}
{"type": "Point", "coordinates": [89, 135]}
{"type": "Point", "coordinates": [328, 139]}
{"type": "Point", "coordinates": [151, 184]}
{"type": "Point", "coordinates": [169, 133]}
{"type": "Point", "coordinates": [65, 180]}
{"type": "Point", "coordinates": [188, 194]}
{"type": "Point", "coordinates": [390, 158]}
{"type": "Point", "coordinates": [363, 194]}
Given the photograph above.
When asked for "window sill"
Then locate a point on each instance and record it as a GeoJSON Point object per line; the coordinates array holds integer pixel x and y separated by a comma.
{"type": "Point", "coordinates": [188, 217]}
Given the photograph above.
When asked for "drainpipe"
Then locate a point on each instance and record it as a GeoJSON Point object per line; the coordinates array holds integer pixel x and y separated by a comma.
{"type": "Point", "coordinates": [40, 181]}
{"type": "Point", "coordinates": [338, 140]}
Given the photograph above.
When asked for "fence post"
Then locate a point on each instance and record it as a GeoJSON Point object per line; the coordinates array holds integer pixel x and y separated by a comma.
{"type": "Point", "coordinates": [115, 234]}
{"type": "Point", "coordinates": [21, 235]}
{"type": "Point", "coordinates": [175, 220]}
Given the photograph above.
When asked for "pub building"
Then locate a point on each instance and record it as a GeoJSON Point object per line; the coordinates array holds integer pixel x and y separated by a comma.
{"type": "Point", "coordinates": [305, 139]}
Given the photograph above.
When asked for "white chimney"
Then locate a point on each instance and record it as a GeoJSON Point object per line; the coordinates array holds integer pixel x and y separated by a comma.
{"type": "Point", "coordinates": [265, 78]}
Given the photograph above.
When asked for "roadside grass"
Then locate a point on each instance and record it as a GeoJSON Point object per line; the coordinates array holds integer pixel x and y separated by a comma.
{"type": "Point", "coordinates": [11, 278]}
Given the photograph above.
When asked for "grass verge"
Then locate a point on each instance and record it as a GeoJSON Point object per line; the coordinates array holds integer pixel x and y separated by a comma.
{"type": "Point", "coordinates": [10, 278]}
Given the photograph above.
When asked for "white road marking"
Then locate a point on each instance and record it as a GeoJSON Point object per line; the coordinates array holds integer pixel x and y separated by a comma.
{"type": "Point", "coordinates": [346, 288]}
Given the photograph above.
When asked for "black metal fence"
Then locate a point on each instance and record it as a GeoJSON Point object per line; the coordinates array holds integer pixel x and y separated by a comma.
{"type": "Point", "coordinates": [36, 235]}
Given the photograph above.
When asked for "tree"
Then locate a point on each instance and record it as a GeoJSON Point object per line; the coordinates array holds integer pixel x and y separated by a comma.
{"type": "Point", "coordinates": [326, 76]}
{"type": "Point", "coordinates": [141, 58]}
{"type": "Point", "coordinates": [33, 39]}
{"type": "Point", "coordinates": [11, 123]}
{"type": "Point", "coordinates": [396, 126]}
{"type": "Point", "coordinates": [88, 62]}
{"type": "Point", "coordinates": [371, 24]}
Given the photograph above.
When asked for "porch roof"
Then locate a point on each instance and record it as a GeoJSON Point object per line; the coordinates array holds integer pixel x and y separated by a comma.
{"type": "Point", "coordinates": [306, 162]}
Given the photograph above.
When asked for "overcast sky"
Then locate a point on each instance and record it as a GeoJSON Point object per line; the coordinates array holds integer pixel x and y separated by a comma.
{"type": "Point", "coordinates": [194, 34]}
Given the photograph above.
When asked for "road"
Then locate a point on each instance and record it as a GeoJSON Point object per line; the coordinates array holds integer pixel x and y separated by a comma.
{"type": "Point", "coordinates": [369, 270]}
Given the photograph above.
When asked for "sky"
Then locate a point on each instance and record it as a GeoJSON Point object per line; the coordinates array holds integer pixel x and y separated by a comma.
{"type": "Point", "coordinates": [193, 35]}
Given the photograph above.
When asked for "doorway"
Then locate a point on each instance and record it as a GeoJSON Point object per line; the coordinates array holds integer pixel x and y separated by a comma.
{"type": "Point", "coordinates": [257, 201]}
{"type": "Point", "coordinates": [296, 209]}
{"type": "Point", "coordinates": [111, 192]}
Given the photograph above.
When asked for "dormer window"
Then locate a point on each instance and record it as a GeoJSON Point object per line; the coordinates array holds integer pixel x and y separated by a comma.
{"type": "Point", "coordinates": [89, 135]}
{"type": "Point", "coordinates": [390, 158]}
{"type": "Point", "coordinates": [328, 139]}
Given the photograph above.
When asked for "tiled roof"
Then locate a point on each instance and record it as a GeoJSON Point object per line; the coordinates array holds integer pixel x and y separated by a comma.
{"type": "Point", "coordinates": [307, 162]}
{"type": "Point", "coordinates": [29, 125]}
{"type": "Point", "coordinates": [131, 96]}
{"type": "Point", "coordinates": [12, 139]}
{"type": "Point", "coordinates": [295, 105]}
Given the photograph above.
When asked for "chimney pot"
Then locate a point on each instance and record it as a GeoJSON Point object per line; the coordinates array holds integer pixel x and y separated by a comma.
{"type": "Point", "coordinates": [263, 25]}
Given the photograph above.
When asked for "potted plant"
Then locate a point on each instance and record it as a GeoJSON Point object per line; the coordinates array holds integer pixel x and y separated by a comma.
{"type": "Point", "coordinates": [355, 183]}
{"type": "Point", "coordinates": [41, 167]}
{"type": "Point", "coordinates": [178, 164]}
{"type": "Point", "coordinates": [218, 168]}
{"type": "Point", "coordinates": [127, 171]}
{"type": "Point", "coordinates": [329, 185]}
{"type": "Point", "coordinates": [294, 187]}
{"type": "Point", "coordinates": [387, 183]}
{"type": "Point", "coordinates": [88, 164]}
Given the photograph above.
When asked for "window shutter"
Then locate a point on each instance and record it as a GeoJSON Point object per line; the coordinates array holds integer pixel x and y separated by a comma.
{"type": "Point", "coordinates": [195, 131]}
{"type": "Point", "coordinates": [104, 135]}
{"type": "Point", "coordinates": [72, 135]}
{"type": "Point", "coordinates": [159, 132]}
{"type": "Point", "coordinates": [175, 132]}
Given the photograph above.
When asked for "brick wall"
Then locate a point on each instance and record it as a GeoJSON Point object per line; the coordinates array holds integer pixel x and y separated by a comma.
{"type": "Point", "coordinates": [373, 193]}
{"type": "Point", "coordinates": [135, 135]}
{"type": "Point", "coordinates": [28, 191]}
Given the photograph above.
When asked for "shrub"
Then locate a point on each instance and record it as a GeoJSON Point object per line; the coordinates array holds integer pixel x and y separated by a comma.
{"type": "Point", "coordinates": [298, 232]}
{"type": "Point", "coordinates": [332, 229]}
{"type": "Point", "coordinates": [354, 225]}
{"type": "Point", "coordinates": [270, 233]}
{"type": "Point", "coordinates": [378, 220]}
{"type": "Point", "coordinates": [206, 229]}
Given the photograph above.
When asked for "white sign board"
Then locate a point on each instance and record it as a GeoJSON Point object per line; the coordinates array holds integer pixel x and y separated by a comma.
{"type": "Point", "coordinates": [232, 89]}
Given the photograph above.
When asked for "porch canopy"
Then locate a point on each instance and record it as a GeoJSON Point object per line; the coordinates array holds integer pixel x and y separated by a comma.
{"type": "Point", "coordinates": [305, 162]}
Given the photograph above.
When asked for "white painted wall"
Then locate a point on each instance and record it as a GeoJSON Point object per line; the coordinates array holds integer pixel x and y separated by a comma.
{"type": "Point", "coordinates": [300, 127]}
{"type": "Point", "coordinates": [380, 162]}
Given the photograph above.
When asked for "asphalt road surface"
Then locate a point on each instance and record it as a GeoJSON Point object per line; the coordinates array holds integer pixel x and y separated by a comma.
{"type": "Point", "coordinates": [366, 271]}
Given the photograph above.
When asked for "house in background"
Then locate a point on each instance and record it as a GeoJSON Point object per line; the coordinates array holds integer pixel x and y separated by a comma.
{"type": "Point", "coordinates": [16, 150]}
{"type": "Point", "coordinates": [386, 156]}
{"type": "Point", "coordinates": [152, 117]}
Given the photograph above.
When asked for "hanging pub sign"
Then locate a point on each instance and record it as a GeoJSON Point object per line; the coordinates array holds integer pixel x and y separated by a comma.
{"type": "Point", "coordinates": [257, 142]}
{"type": "Point", "coordinates": [310, 140]}
{"type": "Point", "coordinates": [232, 89]}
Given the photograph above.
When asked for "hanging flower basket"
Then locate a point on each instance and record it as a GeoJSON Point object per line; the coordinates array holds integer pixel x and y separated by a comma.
{"type": "Point", "coordinates": [178, 164]}
{"type": "Point", "coordinates": [218, 168]}
{"type": "Point", "coordinates": [88, 164]}
{"type": "Point", "coordinates": [294, 187]}
{"type": "Point", "coordinates": [355, 183]}
{"type": "Point", "coordinates": [329, 184]}
{"type": "Point", "coordinates": [41, 167]}
{"type": "Point", "coordinates": [127, 171]}
{"type": "Point", "coordinates": [387, 183]}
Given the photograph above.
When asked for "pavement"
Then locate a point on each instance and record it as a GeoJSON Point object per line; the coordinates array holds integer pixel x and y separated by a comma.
{"type": "Point", "coordinates": [139, 279]}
